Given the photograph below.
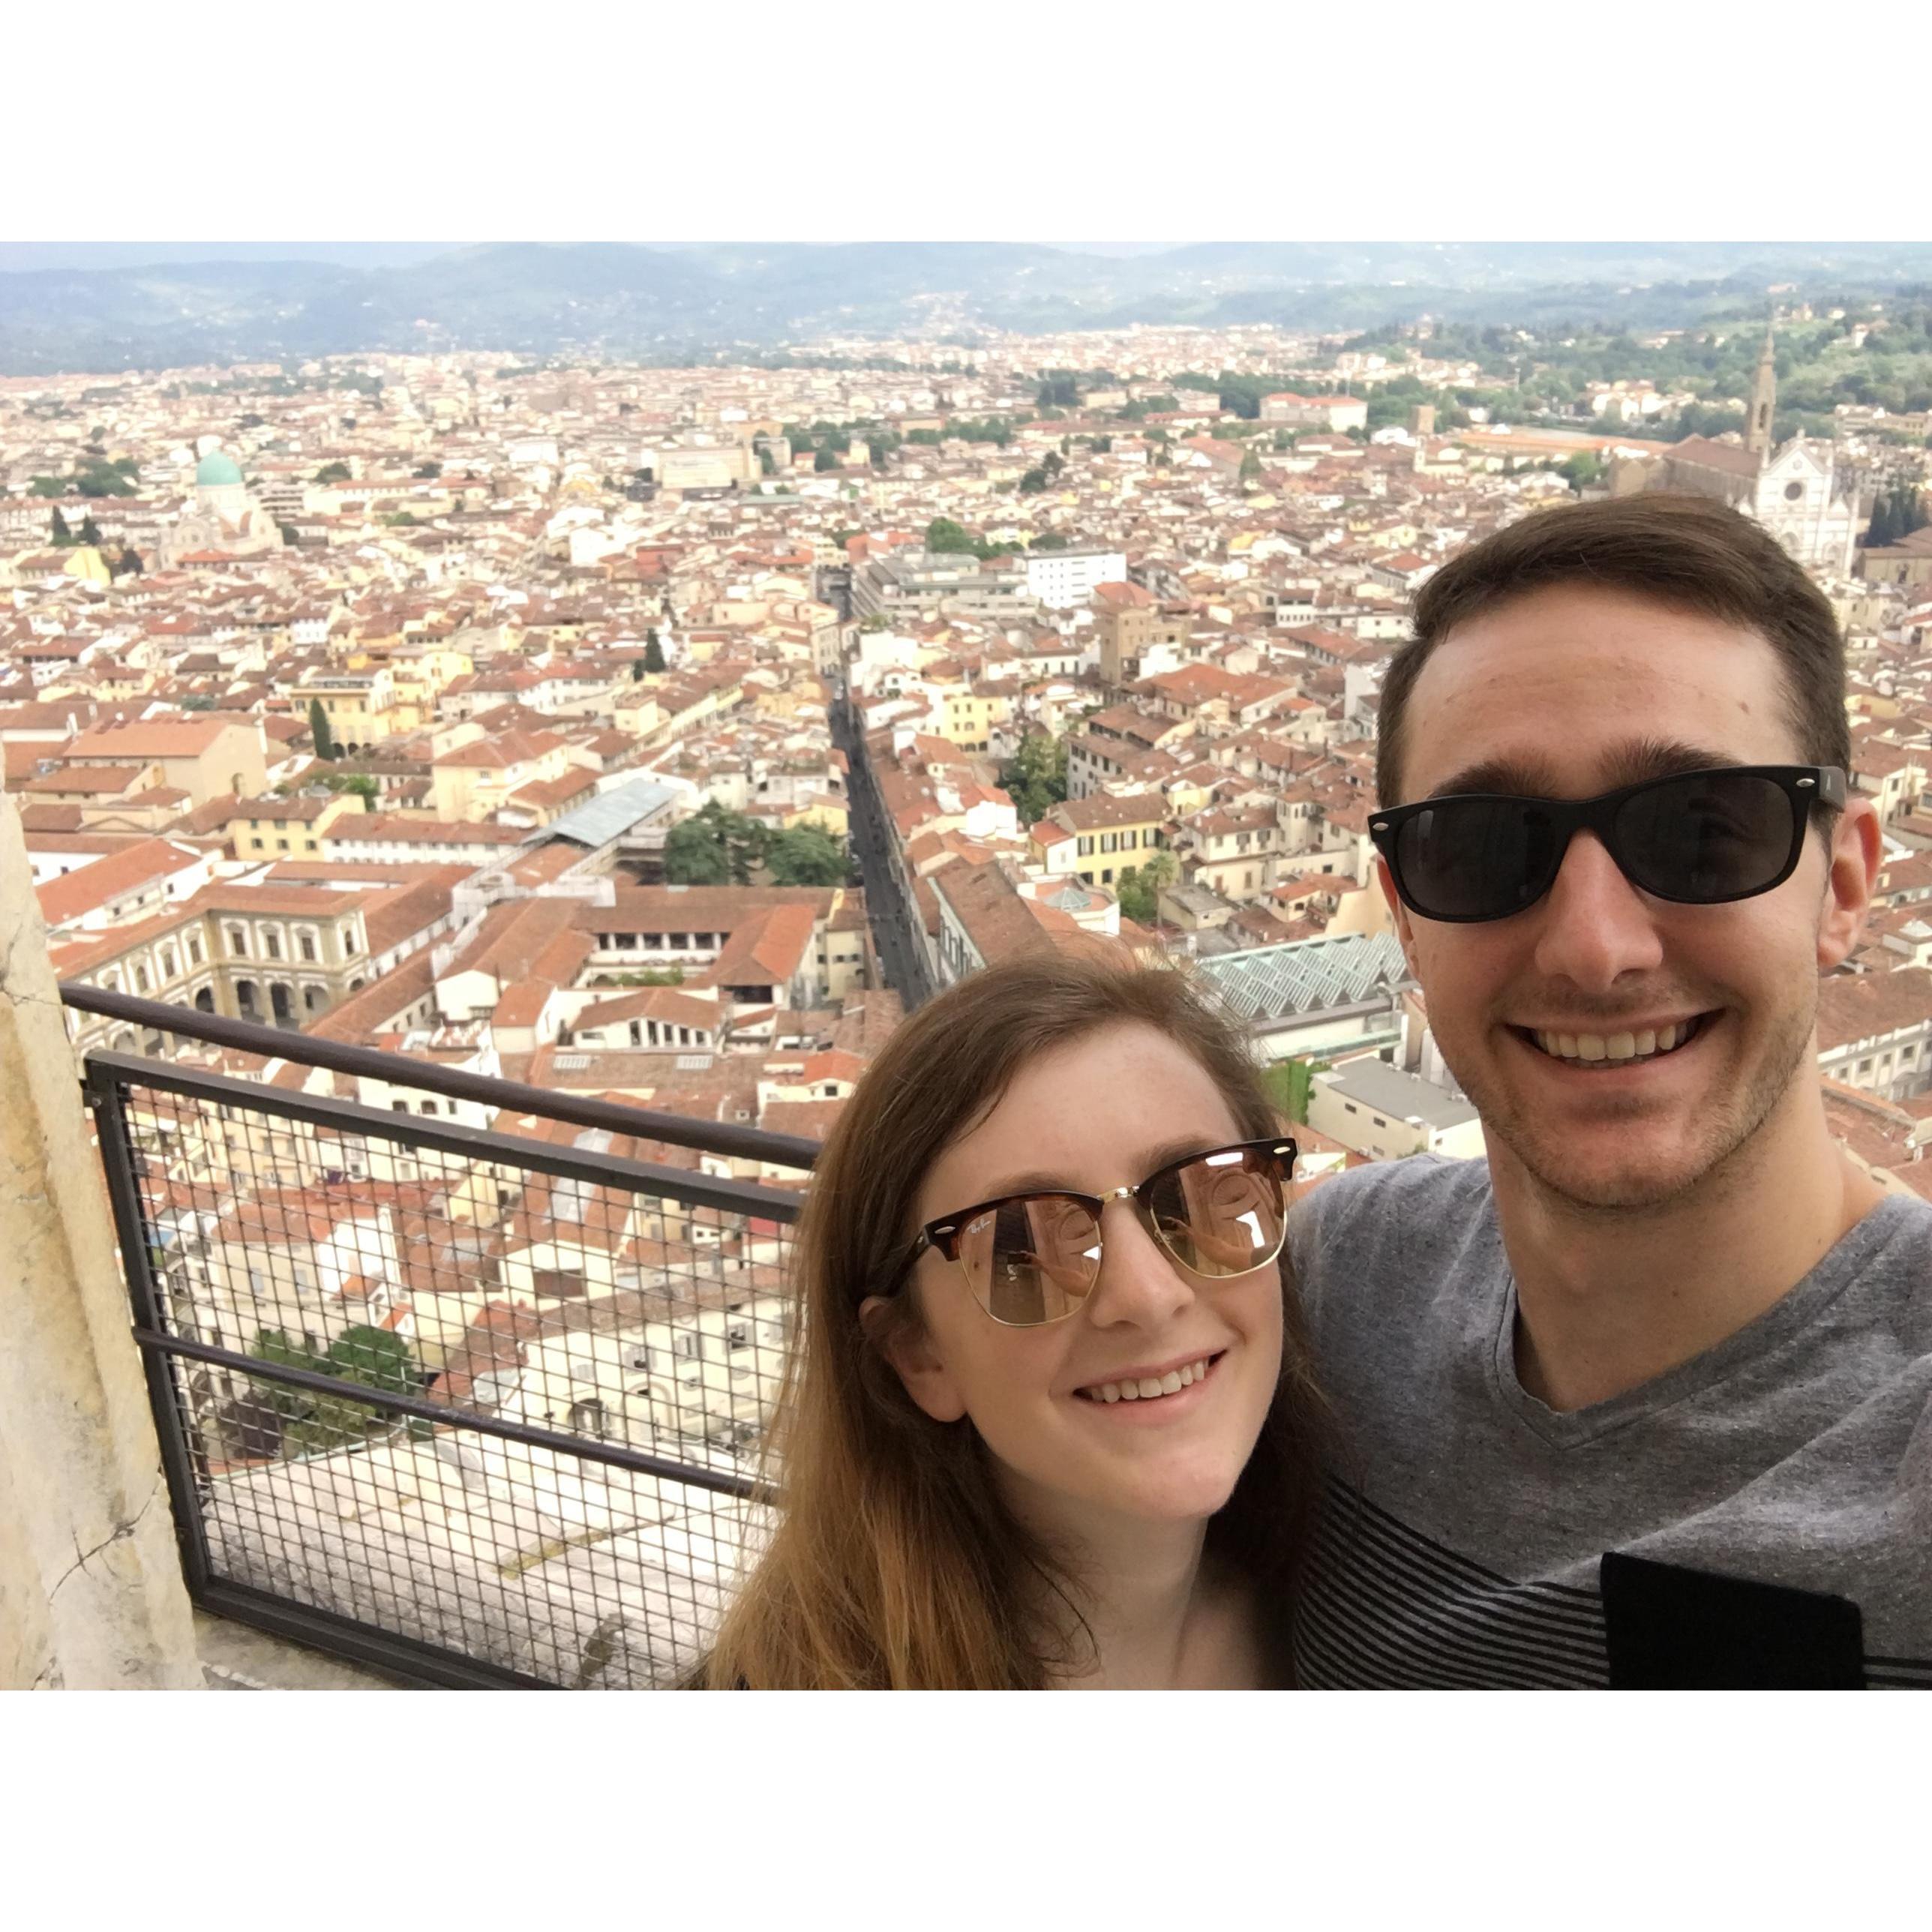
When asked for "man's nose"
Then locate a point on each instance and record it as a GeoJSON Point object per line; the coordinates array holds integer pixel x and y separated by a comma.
{"type": "Point", "coordinates": [1594, 925]}
{"type": "Point", "coordinates": [1139, 1281]}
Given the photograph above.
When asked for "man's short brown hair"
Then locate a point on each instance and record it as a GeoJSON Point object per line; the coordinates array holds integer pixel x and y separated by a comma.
{"type": "Point", "coordinates": [1691, 552]}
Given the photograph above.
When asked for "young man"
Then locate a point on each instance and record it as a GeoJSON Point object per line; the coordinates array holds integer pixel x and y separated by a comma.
{"type": "Point", "coordinates": [1645, 1398]}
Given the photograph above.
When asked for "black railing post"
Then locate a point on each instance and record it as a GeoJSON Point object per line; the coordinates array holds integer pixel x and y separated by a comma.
{"type": "Point", "coordinates": [187, 1477]}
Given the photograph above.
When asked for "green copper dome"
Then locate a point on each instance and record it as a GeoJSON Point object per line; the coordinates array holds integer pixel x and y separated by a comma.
{"type": "Point", "coordinates": [217, 467]}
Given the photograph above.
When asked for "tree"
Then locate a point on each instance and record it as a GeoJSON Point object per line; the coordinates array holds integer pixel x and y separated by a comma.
{"type": "Point", "coordinates": [1287, 1083]}
{"type": "Point", "coordinates": [333, 473]}
{"type": "Point", "coordinates": [62, 535]}
{"type": "Point", "coordinates": [360, 783]}
{"type": "Point", "coordinates": [805, 856]}
{"type": "Point", "coordinates": [1139, 887]}
{"type": "Point", "coordinates": [1251, 466]}
{"type": "Point", "coordinates": [1582, 469]}
{"type": "Point", "coordinates": [1035, 777]}
{"type": "Point", "coordinates": [827, 459]}
{"type": "Point", "coordinates": [104, 479]}
{"type": "Point", "coordinates": [311, 1422]}
{"type": "Point", "coordinates": [1049, 540]}
{"type": "Point", "coordinates": [944, 537]}
{"type": "Point", "coordinates": [1896, 513]}
{"type": "Point", "coordinates": [325, 746]}
{"type": "Point", "coordinates": [693, 857]}
{"type": "Point", "coordinates": [430, 470]}
{"type": "Point", "coordinates": [1161, 869]}
{"type": "Point", "coordinates": [1033, 482]}
{"type": "Point", "coordinates": [714, 848]}
{"type": "Point", "coordinates": [90, 531]}
{"type": "Point", "coordinates": [654, 656]}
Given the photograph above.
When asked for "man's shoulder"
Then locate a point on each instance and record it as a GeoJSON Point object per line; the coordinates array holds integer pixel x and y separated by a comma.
{"type": "Point", "coordinates": [1398, 1224]}
{"type": "Point", "coordinates": [1891, 1251]}
{"type": "Point", "coordinates": [1422, 1183]}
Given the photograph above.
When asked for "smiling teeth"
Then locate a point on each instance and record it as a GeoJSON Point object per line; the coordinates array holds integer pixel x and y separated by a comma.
{"type": "Point", "coordinates": [1150, 1387]}
{"type": "Point", "coordinates": [1594, 1046]}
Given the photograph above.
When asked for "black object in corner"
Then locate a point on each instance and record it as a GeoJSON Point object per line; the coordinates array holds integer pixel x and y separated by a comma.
{"type": "Point", "coordinates": [1673, 1629]}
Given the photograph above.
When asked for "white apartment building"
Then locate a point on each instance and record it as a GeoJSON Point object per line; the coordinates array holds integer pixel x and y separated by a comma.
{"type": "Point", "coordinates": [1063, 579]}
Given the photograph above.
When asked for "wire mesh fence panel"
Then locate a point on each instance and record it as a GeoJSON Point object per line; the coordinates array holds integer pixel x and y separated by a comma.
{"type": "Point", "coordinates": [501, 1390]}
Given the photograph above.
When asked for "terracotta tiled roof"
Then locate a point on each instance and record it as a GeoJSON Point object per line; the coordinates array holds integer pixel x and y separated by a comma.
{"type": "Point", "coordinates": [76, 893]}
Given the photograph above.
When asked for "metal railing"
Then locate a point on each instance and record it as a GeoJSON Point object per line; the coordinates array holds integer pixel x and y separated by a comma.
{"type": "Point", "coordinates": [473, 1396]}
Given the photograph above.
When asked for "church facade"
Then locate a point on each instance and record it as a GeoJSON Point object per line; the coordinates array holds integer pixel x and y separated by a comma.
{"type": "Point", "coordinates": [1795, 492]}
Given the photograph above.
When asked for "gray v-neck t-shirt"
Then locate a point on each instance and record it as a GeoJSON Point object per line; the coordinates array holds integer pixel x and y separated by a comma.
{"type": "Point", "coordinates": [1467, 1524]}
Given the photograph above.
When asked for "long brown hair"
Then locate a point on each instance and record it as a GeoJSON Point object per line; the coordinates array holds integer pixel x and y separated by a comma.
{"type": "Point", "coordinates": [893, 1563]}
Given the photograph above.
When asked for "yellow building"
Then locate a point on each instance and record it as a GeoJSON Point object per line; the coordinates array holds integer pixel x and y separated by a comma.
{"type": "Point", "coordinates": [474, 781]}
{"type": "Point", "coordinates": [418, 675]}
{"type": "Point", "coordinates": [828, 813]}
{"type": "Point", "coordinates": [968, 717]}
{"type": "Point", "coordinates": [292, 828]}
{"type": "Point", "coordinates": [216, 755]}
{"type": "Point", "coordinates": [359, 705]}
{"type": "Point", "coordinates": [1111, 833]}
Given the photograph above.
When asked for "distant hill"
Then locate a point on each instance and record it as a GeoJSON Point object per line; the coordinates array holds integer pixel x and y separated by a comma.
{"type": "Point", "coordinates": [649, 303]}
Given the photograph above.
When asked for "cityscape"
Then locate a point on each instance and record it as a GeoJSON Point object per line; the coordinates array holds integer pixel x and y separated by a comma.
{"type": "Point", "coordinates": [658, 728]}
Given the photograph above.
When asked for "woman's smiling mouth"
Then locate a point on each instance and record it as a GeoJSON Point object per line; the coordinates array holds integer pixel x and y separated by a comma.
{"type": "Point", "coordinates": [1153, 1388]}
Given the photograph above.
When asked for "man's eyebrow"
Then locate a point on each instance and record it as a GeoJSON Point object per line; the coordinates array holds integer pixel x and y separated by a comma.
{"type": "Point", "coordinates": [1630, 762]}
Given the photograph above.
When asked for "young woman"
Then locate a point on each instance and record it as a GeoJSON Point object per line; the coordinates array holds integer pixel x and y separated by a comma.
{"type": "Point", "coordinates": [1051, 1424]}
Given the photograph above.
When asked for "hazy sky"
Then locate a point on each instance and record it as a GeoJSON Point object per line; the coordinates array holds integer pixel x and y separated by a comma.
{"type": "Point", "coordinates": [135, 254]}
{"type": "Point", "coordinates": [25, 255]}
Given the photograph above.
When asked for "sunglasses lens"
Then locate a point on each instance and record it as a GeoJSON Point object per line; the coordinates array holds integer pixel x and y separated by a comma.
{"type": "Point", "coordinates": [1706, 837]}
{"type": "Point", "coordinates": [1223, 1214]}
{"type": "Point", "coordinates": [1032, 1260]}
{"type": "Point", "coordinates": [1476, 858]}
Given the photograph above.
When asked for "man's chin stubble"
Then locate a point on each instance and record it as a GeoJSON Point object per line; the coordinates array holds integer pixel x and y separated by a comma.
{"type": "Point", "coordinates": [1727, 1153]}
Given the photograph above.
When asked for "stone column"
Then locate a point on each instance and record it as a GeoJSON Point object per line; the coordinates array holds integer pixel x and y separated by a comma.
{"type": "Point", "coordinates": [90, 1590]}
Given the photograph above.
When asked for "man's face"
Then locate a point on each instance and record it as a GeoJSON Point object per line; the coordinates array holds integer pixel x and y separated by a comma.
{"type": "Point", "coordinates": [1570, 692]}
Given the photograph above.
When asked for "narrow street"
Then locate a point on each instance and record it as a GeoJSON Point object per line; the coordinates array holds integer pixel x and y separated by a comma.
{"type": "Point", "coordinates": [895, 936]}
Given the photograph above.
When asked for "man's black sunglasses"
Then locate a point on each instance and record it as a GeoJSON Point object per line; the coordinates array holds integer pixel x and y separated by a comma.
{"type": "Point", "coordinates": [1695, 838]}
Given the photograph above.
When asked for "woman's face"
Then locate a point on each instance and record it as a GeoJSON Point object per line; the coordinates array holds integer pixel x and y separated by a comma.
{"type": "Point", "coordinates": [1103, 1112]}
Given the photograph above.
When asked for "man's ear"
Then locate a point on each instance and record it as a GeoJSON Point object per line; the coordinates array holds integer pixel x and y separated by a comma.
{"type": "Point", "coordinates": [1857, 850]}
{"type": "Point", "coordinates": [915, 1359]}
{"type": "Point", "coordinates": [1404, 932]}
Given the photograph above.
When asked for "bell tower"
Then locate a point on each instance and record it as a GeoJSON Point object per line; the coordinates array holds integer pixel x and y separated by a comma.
{"type": "Point", "coordinates": [1763, 403]}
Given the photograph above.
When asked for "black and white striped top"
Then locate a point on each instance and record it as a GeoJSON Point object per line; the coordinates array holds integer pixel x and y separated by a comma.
{"type": "Point", "coordinates": [1761, 1514]}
